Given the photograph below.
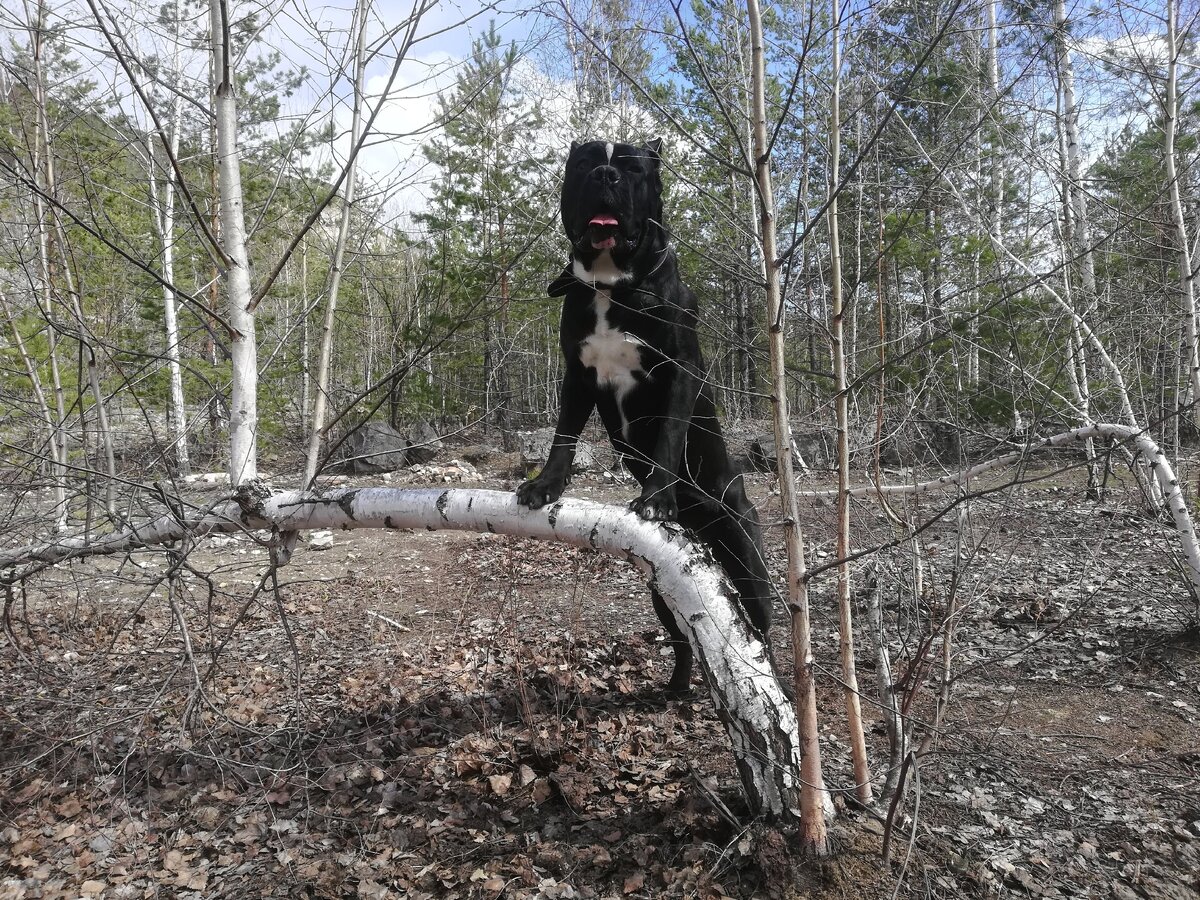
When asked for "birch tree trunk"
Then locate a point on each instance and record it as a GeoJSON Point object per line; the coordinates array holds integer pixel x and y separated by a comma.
{"type": "Point", "coordinates": [243, 397]}
{"type": "Point", "coordinates": [858, 745]}
{"type": "Point", "coordinates": [1076, 197]}
{"type": "Point", "coordinates": [305, 378]}
{"type": "Point", "coordinates": [993, 77]}
{"type": "Point", "coordinates": [1078, 231]}
{"type": "Point", "coordinates": [1076, 361]}
{"type": "Point", "coordinates": [43, 140]}
{"type": "Point", "coordinates": [58, 441]}
{"type": "Point", "coordinates": [321, 398]}
{"type": "Point", "coordinates": [995, 152]}
{"type": "Point", "coordinates": [164, 223]}
{"type": "Point", "coordinates": [45, 290]}
{"type": "Point", "coordinates": [1187, 278]}
{"type": "Point", "coordinates": [757, 715]}
{"type": "Point", "coordinates": [813, 798]}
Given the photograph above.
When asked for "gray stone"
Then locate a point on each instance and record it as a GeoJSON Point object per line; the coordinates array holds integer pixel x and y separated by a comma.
{"type": "Point", "coordinates": [422, 443]}
{"type": "Point", "coordinates": [763, 455]}
{"type": "Point", "coordinates": [535, 447]}
{"type": "Point", "coordinates": [478, 453]}
{"type": "Point", "coordinates": [375, 447]}
{"type": "Point", "coordinates": [816, 448]}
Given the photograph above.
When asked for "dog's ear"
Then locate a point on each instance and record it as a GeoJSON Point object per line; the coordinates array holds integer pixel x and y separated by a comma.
{"type": "Point", "coordinates": [655, 148]}
{"type": "Point", "coordinates": [574, 147]}
{"type": "Point", "coordinates": [560, 285]}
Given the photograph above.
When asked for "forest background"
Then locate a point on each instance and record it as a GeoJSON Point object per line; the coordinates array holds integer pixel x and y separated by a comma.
{"type": "Point", "coordinates": [1016, 202]}
{"type": "Point", "coordinates": [232, 235]}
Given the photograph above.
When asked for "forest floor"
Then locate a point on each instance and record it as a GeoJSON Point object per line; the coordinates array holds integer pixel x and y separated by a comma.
{"type": "Point", "coordinates": [458, 715]}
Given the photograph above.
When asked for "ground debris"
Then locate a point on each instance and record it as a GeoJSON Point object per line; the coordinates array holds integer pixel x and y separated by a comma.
{"type": "Point", "coordinates": [476, 716]}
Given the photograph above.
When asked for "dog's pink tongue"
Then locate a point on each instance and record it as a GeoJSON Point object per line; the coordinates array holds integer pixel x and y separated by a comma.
{"type": "Point", "coordinates": [604, 243]}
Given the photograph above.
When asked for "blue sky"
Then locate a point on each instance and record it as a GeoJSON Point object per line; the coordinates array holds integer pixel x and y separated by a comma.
{"type": "Point", "coordinates": [393, 157]}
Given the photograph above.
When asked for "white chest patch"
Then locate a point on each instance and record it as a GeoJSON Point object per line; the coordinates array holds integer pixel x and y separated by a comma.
{"type": "Point", "coordinates": [603, 270]}
{"type": "Point", "coordinates": [613, 354]}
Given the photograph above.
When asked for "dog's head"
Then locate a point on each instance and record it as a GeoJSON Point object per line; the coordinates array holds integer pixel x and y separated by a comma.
{"type": "Point", "coordinates": [612, 210]}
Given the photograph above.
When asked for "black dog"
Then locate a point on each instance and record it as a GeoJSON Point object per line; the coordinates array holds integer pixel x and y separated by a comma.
{"type": "Point", "coordinates": [628, 333]}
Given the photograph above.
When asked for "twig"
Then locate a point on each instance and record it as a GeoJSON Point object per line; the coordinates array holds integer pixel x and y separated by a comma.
{"type": "Point", "coordinates": [912, 834]}
{"type": "Point", "coordinates": [713, 800]}
{"type": "Point", "coordinates": [387, 619]}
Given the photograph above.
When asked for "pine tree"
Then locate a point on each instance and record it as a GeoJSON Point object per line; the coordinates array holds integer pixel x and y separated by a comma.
{"type": "Point", "coordinates": [490, 196]}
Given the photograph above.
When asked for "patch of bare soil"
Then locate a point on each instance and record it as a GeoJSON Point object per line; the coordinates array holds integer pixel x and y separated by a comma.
{"type": "Point", "coordinates": [458, 715]}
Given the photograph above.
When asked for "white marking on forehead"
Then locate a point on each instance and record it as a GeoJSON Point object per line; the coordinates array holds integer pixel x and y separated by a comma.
{"type": "Point", "coordinates": [608, 149]}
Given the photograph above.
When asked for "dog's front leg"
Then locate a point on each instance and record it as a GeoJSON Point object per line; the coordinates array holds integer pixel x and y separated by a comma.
{"type": "Point", "coordinates": [657, 502]}
{"type": "Point", "coordinates": [575, 407]}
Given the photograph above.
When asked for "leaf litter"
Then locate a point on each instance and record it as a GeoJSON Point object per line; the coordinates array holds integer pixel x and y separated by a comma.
{"type": "Point", "coordinates": [477, 717]}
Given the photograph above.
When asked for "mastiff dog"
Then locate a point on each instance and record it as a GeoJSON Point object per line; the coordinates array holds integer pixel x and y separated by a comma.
{"type": "Point", "coordinates": [628, 335]}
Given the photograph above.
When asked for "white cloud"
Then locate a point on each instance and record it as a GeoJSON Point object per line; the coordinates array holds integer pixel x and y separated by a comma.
{"type": "Point", "coordinates": [1141, 50]}
{"type": "Point", "coordinates": [392, 162]}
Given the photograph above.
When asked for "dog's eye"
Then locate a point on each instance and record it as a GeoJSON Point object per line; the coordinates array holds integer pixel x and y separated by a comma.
{"type": "Point", "coordinates": [581, 164]}
{"type": "Point", "coordinates": [635, 168]}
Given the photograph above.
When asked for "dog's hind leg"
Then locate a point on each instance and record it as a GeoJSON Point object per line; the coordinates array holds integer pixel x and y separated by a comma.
{"type": "Point", "coordinates": [681, 675]}
{"type": "Point", "coordinates": [728, 523]}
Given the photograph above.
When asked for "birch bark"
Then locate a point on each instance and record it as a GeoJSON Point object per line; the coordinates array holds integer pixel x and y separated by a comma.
{"type": "Point", "coordinates": [60, 245]}
{"type": "Point", "coordinates": [46, 298]}
{"type": "Point", "coordinates": [757, 715]}
{"type": "Point", "coordinates": [1187, 277]}
{"type": "Point", "coordinates": [325, 354]}
{"type": "Point", "coordinates": [1077, 198]}
{"type": "Point", "coordinates": [164, 222]}
{"type": "Point", "coordinates": [243, 399]}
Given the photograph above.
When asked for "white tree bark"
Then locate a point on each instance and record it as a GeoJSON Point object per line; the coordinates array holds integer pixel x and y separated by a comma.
{"type": "Point", "coordinates": [1078, 229]}
{"type": "Point", "coordinates": [995, 150]}
{"type": "Point", "coordinates": [51, 187]}
{"type": "Point", "coordinates": [757, 715]}
{"type": "Point", "coordinates": [164, 222]}
{"type": "Point", "coordinates": [1076, 362]}
{"type": "Point", "coordinates": [243, 399]}
{"type": "Point", "coordinates": [993, 78]}
{"type": "Point", "coordinates": [813, 797]}
{"type": "Point", "coordinates": [1187, 278]}
{"type": "Point", "coordinates": [45, 292]}
{"type": "Point", "coordinates": [317, 431]}
{"type": "Point", "coordinates": [1078, 200]}
{"type": "Point", "coordinates": [305, 411]}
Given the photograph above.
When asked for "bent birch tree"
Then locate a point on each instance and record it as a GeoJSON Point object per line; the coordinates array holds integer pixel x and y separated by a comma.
{"type": "Point", "coordinates": [757, 715]}
{"type": "Point", "coordinates": [1151, 455]}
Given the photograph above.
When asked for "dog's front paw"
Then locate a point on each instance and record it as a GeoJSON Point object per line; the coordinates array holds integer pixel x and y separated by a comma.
{"type": "Point", "coordinates": [656, 505]}
{"type": "Point", "coordinates": [540, 491]}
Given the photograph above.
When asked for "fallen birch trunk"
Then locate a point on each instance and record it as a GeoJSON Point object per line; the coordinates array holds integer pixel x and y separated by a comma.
{"type": "Point", "coordinates": [1156, 461]}
{"type": "Point", "coordinates": [758, 716]}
